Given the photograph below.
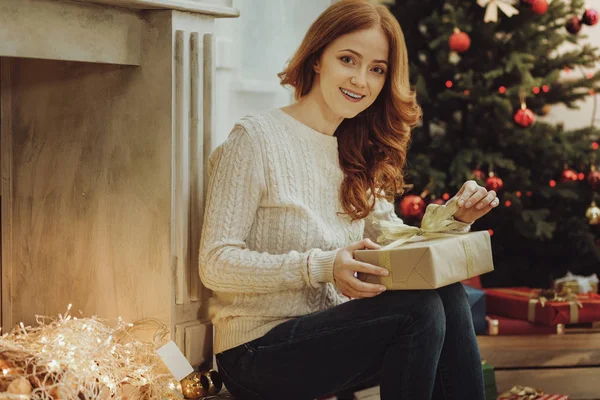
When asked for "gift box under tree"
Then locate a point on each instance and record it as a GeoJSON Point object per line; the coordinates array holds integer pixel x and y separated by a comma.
{"type": "Point", "coordinates": [489, 380]}
{"type": "Point", "coordinates": [577, 284]}
{"type": "Point", "coordinates": [528, 393]}
{"type": "Point", "coordinates": [477, 302]}
{"type": "Point", "coordinates": [501, 326]}
{"type": "Point", "coordinates": [543, 306]}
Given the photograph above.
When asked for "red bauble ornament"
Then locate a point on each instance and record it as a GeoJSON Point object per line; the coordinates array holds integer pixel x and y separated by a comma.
{"type": "Point", "coordinates": [593, 177]}
{"type": "Point", "coordinates": [493, 183]}
{"type": "Point", "coordinates": [590, 17]}
{"type": "Point", "coordinates": [569, 175]}
{"type": "Point", "coordinates": [573, 25]}
{"type": "Point", "coordinates": [412, 206]}
{"type": "Point", "coordinates": [539, 6]}
{"type": "Point", "coordinates": [524, 117]}
{"type": "Point", "coordinates": [438, 201]}
{"type": "Point", "coordinates": [459, 41]}
{"type": "Point", "coordinates": [478, 174]}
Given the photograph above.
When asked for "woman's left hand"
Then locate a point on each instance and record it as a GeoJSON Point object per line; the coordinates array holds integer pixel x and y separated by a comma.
{"type": "Point", "coordinates": [474, 202]}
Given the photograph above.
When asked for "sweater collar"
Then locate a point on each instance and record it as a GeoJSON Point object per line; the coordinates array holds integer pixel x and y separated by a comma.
{"type": "Point", "coordinates": [314, 136]}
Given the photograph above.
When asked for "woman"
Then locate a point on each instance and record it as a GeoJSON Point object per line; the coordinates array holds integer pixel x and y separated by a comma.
{"type": "Point", "coordinates": [292, 194]}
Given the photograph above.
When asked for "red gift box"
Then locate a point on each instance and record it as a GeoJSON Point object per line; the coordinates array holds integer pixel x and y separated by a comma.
{"type": "Point", "coordinates": [526, 304]}
{"type": "Point", "coordinates": [501, 326]}
{"type": "Point", "coordinates": [542, 397]}
{"type": "Point", "coordinates": [473, 282]}
{"type": "Point", "coordinates": [528, 393]}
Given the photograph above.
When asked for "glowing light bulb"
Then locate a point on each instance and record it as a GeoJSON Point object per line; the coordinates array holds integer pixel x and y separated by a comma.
{"type": "Point", "coordinates": [53, 365]}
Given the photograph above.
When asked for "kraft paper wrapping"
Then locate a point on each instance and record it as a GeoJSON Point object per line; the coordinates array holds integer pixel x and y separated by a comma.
{"type": "Point", "coordinates": [430, 263]}
{"type": "Point", "coordinates": [429, 257]}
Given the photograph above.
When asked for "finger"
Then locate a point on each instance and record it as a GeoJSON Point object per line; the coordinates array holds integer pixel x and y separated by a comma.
{"type": "Point", "coordinates": [461, 190]}
{"type": "Point", "coordinates": [495, 203]}
{"type": "Point", "coordinates": [369, 268]}
{"type": "Point", "coordinates": [470, 187]}
{"type": "Point", "coordinates": [486, 200]}
{"type": "Point", "coordinates": [476, 197]}
{"type": "Point", "coordinates": [357, 294]}
{"type": "Point", "coordinates": [343, 288]}
{"type": "Point", "coordinates": [360, 286]}
{"type": "Point", "coordinates": [364, 244]}
{"type": "Point", "coordinates": [348, 291]}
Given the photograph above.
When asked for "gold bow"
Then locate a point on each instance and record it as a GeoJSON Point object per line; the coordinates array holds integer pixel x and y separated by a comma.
{"type": "Point", "coordinates": [491, 12]}
{"type": "Point", "coordinates": [437, 222]}
{"type": "Point", "coordinates": [524, 393]}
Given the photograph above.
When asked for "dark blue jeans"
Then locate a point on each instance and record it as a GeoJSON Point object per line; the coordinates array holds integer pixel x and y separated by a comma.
{"type": "Point", "coordinates": [417, 344]}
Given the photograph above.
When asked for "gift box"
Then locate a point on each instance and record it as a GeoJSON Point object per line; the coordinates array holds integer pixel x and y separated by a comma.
{"type": "Point", "coordinates": [489, 380]}
{"type": "Point", "coordinates": [477, 302]}
{"type": "Point", "coordinates": [503, 326]}
{"type": "Point", "coordinates": [577, 284]}
{"type": "Point", "coordinates": [424, 263]}
{"type": "Point", "coordinates": [473, 282]}
{"type": "Point", "coordinates": [435, 255]}
{"type": "Point", "coordinates": [527, 393]}
{"type": "Point", "coordinates": [543, 306]}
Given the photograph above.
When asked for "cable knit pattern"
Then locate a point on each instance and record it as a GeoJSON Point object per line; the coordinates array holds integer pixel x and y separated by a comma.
{"type": "Point", "coordinates": [271, 229]}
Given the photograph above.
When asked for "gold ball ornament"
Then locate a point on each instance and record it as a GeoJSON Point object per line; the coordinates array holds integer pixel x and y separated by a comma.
{"type": "Point", "coordinates": [546, 109]}
{"type": "Point", "coordinates": [593, 214]}
{"type": "Point", "coordinates": [191, 386]}
{"type": "Point", "coordinates": [197, 385]}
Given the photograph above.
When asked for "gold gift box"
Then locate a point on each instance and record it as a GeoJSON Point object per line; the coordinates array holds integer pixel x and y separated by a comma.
{"type": "Point", "coordinates": [574, 287]}
{"type": "Point", "coordinates": [430, 263]}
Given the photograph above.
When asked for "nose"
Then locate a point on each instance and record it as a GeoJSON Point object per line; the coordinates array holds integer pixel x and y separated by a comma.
{"type": "Point", "coordinates": [359, 80]}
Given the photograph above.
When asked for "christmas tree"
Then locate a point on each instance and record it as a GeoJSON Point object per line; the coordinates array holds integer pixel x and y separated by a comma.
{"type": "Point", "coordinates": [486, 72]}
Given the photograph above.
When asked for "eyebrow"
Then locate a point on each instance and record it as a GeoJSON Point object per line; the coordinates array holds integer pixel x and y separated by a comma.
{"type": "Point", "coordinates": [357, 54]}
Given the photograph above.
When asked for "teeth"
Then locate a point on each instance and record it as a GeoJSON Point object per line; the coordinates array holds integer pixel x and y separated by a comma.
{"type": "Point", "coordinates": [354, 96]}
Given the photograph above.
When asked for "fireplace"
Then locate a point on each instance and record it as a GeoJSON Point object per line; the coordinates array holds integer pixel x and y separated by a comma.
{"type": "Point", "coordinates": [106, 123]}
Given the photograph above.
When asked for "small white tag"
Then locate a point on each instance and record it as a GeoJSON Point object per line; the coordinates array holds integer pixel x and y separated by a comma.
{"type": "Point", "coordinates": [175, 360]}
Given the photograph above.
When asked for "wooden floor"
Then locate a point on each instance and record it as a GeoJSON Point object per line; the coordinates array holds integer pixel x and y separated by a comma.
{"type": "Point", "coordinates": [566, 364]}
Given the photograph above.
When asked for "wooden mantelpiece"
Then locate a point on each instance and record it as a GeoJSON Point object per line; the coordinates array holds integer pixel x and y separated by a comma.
{"type": "Point", "coordinates": [105, 127]}
{"type": "Point", "coordinates": [217, 8]}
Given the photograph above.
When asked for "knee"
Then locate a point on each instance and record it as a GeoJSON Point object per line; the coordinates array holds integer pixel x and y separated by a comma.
{"type": "Point", "coordinates": [427, 313]}
{"type": "Point", "coordinates": [430, 314]}
{"type": "Point", "coordinates": [455, 299]}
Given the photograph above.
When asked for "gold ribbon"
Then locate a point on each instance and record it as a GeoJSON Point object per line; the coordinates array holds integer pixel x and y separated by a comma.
{"type": "Point", "coordinates": [492, 6]}
{"type": "Point", "coordinates": [437, 223]}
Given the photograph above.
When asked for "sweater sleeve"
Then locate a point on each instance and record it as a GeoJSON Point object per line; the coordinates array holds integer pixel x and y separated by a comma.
{"type": "Point", "coordinates": [236, 186]}
{"type": "Point", "coordinates": [384, 210]}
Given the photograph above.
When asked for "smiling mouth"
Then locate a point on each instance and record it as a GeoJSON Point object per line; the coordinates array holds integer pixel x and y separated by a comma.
{"type": "Point", "coordinates": [351, 95]}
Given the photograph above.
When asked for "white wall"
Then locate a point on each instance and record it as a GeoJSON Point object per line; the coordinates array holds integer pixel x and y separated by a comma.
{"type": "Point", "coordinates": [251, 50]}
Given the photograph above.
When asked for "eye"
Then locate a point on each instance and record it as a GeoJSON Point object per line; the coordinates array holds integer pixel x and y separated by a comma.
{"type": "Point", "coordinates": [379, 70]}
{"type": "Point", "coordinates": [346, 59]}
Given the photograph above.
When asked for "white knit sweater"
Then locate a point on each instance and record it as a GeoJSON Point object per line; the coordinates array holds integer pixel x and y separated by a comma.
{"type": "Point", "coordinates": [271, 232]}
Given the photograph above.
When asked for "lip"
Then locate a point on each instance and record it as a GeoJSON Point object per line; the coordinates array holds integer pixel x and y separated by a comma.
{"type": "Point", "coordinates": [351, 98]}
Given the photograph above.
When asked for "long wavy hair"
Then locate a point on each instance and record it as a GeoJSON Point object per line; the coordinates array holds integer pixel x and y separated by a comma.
{"type": "Point", "coordinates": [372, 146]}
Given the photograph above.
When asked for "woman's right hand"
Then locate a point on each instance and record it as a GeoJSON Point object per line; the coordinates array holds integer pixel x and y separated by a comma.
{"type": "Point", "coordinates": [344, 267]}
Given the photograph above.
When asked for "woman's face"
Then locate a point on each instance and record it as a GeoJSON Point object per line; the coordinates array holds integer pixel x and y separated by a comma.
{"type": "Point", "coordinates": [352, 70]}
